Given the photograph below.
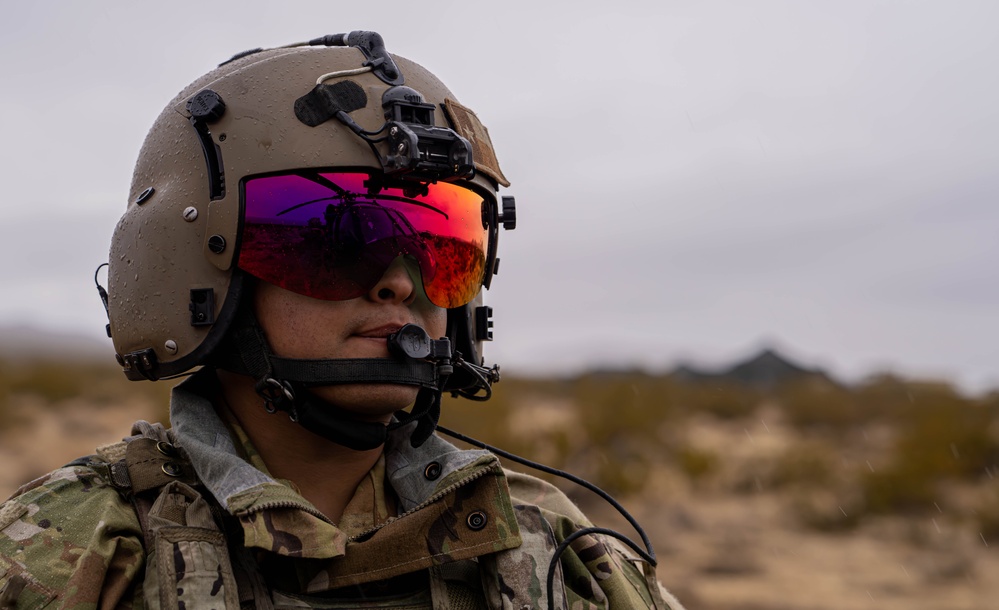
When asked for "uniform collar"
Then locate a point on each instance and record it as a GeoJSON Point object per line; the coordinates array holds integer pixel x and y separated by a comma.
{"type": "Point", "coordinates": [274, 516]}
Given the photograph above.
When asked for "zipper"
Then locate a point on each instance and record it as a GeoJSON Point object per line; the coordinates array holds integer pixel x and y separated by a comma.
{"type": "Point", "coordinates": [435, 497]}
{"type": "Point", "coordinates": [286, 504]}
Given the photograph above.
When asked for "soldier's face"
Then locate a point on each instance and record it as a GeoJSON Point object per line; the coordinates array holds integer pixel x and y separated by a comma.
{"type": "Point", "coordinates": [297, 326]}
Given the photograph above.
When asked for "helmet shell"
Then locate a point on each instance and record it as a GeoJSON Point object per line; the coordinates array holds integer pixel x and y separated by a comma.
{"type": "Point", "coordinates": [167, 243]}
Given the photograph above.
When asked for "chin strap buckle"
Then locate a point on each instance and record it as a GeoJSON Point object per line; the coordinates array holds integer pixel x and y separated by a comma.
{"type": "Point", "coordinates": [277, 395]}
{"type": "Point", "coordinates": [412, 342]}
{"type": "Point", "coordinates": [440, 354]}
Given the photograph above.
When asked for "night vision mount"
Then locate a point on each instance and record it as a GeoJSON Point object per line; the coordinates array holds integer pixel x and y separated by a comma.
{"type": "Point", "coordinates": [414, 146]}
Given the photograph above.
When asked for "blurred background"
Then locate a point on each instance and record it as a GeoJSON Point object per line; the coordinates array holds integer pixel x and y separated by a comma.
{"type": "Point", "coordinates": [751, 292]}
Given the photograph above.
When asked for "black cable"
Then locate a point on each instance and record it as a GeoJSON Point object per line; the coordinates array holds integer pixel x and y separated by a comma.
{"type": "Point", "coordinates": [649, 556]}
{"type": "Point", "coordinates": [347, 120]}
{"type": "Point", "coordinates": [477, 372]}
{"type": "Point", "coordinates": [329, 40]}
{"type": "Point", "coordinates": [100, 289]}
{"type": "Point", "coordinates": [579, 534]}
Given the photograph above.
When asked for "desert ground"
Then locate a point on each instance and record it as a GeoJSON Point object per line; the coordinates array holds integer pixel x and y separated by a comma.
{"type": "Point", "coordinates": [720, 550]}
{"type": "Point", "coordinates": [732, 529]}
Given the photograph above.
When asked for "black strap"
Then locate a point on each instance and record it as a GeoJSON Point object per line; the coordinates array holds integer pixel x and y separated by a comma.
{"type": "Point", "coordinates": [426, 418]}
{"type": "Point", "coordinates": [246, 352]}
{"type": "Point", "coordinates": [311, 373]}
{"type": "Point", "coordinates": [283, 383]}
{"type": "Point", "coordinates": [245, 348]}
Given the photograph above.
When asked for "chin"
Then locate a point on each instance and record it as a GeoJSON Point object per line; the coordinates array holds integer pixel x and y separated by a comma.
{"type": "Point", "coordinates": [370, 402]}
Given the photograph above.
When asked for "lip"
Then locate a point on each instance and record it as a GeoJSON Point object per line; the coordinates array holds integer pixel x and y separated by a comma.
{"type": "Point", "coordinates": [379, 332]}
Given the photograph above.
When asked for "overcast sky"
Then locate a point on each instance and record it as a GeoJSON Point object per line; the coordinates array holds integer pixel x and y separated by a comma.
{"type": "Point", "coordinates": [694, 179]}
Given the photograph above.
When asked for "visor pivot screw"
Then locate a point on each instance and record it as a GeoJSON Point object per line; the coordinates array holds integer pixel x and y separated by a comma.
{"type": "Point", "coordinates": [206, 105]}
{"type": "Point", "coordinates": [170, 346]}
{"type": "Point", "coordinates": [144, 196]}
{"type": "Point", "coordinates": [216, 243]}
{"type": "Point", "coordinates": [509, 213]}
{"type": "Point", "coordinates": [190, 213]}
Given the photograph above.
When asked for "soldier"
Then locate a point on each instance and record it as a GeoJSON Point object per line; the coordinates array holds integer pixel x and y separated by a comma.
{"type": "Point", "coordinates": [309, 227]}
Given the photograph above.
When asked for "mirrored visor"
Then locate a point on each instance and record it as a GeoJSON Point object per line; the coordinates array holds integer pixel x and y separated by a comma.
{"type": "Point", "coordinates": [332, 235]}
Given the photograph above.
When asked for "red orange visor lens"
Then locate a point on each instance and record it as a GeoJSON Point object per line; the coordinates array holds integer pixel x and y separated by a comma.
{"type": "Point", "coordinates": [331, 235]}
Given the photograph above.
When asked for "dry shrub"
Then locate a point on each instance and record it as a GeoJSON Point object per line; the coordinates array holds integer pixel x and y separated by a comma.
{"type": "Point", "coordinates": [602, 426]}
{"type": "Point", "coordinates": [803, 465]}
{"type": "Point", "coordinates": [941, 436]}
{"type": "Point", "coordinates": [629, 405]}
{"type": "Point", "coordinates": [507, 421]}
{"type": "Point", "coordinates": [486, 421]}
{"type": "Point", "coordinates": [50, 381]}
{"type": "Point", "coordinates": [987, 518]}
{"type": "Point", "coordinates": [619, 415]}
{"type": "Point", "coordinates": [697, 464]}
{"type": "Point", "coordinates": [56, 383]}
{"type": "Point", "coordinates": [725, 400]}
{"type": "Point", "coordinates": [948, 436]}
{"type": "Point", "coordinates": [4, 398]}
{"type": "Point", "coordinates": [899, 489]}
{"type": "Point", "coordinates": [819, 404]}
{"type": "Point", "coordinates": [885, 396]}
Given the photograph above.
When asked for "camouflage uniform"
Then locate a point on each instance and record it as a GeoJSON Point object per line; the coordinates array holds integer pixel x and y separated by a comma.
{"type": "Point", "coordinates": [433, 527]}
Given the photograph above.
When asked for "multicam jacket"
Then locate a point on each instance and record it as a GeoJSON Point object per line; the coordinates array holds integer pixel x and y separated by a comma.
{"type": "Point", "coordinates": [433, 527]}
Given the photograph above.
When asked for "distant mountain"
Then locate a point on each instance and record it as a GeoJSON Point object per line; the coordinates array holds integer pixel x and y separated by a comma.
{"type": "Point", "coordinates": [764, 371]}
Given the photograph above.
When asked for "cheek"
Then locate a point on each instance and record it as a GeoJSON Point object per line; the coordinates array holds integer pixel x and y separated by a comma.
{"type": "Point", "coordinates": [434, 321]}
{"type": "Point", "coordinates": [297, 326]}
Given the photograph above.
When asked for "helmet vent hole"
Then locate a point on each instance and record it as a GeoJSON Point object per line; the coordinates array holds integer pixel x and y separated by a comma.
{"type": "Point", "coordinates": [144, 196]}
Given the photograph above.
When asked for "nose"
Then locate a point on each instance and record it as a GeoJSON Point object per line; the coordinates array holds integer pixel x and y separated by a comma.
{"type": "Point", "coordinates": [397, 284]}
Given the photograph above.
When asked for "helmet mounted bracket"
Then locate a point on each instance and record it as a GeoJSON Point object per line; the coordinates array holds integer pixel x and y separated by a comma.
{"type": "Point", "coordinates": [416, 148]}
{"type": "Point", "coordinates": [206, 107]}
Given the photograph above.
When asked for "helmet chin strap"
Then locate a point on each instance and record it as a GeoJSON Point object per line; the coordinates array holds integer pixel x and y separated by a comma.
{"type": "Point", "coordinates": [341, 427]}
{"type": "Point", "coordinates": [284, 383]}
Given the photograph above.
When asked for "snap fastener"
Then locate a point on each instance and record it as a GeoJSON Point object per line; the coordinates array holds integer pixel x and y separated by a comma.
{"type": "Point", "coordinates": [433, 471]}
{"type": "Point", "coordinates": [166, 449]}
{"type": "Point", "coordinates": [477, 520]}
{"type": "Point", "coordinates": [171, 469]}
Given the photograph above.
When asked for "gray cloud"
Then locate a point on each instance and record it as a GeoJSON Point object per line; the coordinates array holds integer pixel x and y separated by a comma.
{"type": "Point", "coordinates": [694, 179]}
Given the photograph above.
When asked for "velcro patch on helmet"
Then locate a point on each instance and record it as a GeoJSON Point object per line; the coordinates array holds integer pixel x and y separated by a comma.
{"type": "Point", "coordinates": [468, 126]}
{"type": "Point", "coordinates": [324, 101]}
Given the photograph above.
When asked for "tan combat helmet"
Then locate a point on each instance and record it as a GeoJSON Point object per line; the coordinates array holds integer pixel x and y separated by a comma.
{"type": "Point", "coordinates": [340, 101]}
